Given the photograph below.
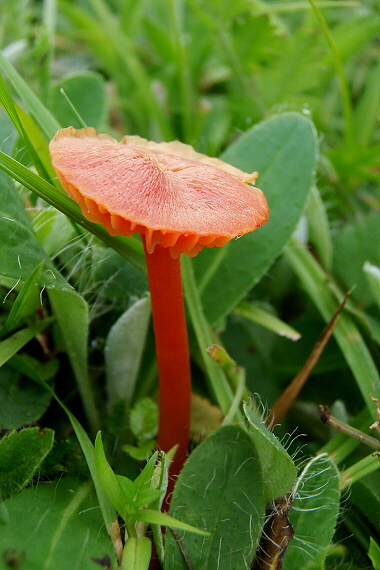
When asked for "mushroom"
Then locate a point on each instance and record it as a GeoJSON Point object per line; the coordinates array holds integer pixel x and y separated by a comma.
{"type": "Point", "coordinates": [178, 201]}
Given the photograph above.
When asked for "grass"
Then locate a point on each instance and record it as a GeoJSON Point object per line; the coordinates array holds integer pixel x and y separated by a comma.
{"type": "Point", "coordinates": [288, 88]}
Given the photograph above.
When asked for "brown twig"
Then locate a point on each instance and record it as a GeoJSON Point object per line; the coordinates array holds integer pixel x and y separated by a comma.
{"type": "Point", "coordinates": [330, 420]}
{"type": "Point", "coordinates": [287, 398]}
{"type": "Point", "coordinates": [276, 535]}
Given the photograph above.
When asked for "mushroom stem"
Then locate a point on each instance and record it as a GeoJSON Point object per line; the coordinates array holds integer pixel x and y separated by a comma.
{"type": "Point", "coordinates": [172, 350]}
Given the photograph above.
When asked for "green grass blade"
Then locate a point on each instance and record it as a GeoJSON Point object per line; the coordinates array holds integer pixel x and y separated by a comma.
{"type": "Point", "coordinates": [264, 318]}
{"type": "Point", "coordinates": [216, 378]}
{"type": "Point", "coordinates": [11, 345]}
{"type": "Point", "coordinates": [20, 300]}
{"type": "Point", "coordinates": [316, 283]}
{"type": "Point", "coordinates": [45, 120]}
{"type": "Point", "coordinates": [346, 97]}
{"type": "Point", "coordinates": [9, 106]}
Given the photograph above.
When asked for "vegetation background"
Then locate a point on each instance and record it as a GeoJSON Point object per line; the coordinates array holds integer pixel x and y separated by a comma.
{"type": "Point", "coordinates": [301, 82]}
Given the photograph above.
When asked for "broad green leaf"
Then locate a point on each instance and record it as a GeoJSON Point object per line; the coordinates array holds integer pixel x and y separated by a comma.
{"type": "Point", "coordinates": [314, 514]}
{"type": "Point", "coordinates": [72, 314]}
{"type": "Point", "coordinates": [56, 525]}
{"type": "Point", "coordinates": [123, 352]}
{"type": "Point", "coordinates": [21, 454]}
{"type": "Point", "coordinates": [220, 489]}
{"type": "Point", "coordinates": [136, 554]}
{"type": "Point", "coordinates": [278, 470]}
{"type": "Point", "coordinates": [283, 151]}
{"type": "Point", "coordinates": [22, 403]}
{"type": "Point", "coordinates": [87, 93]}
{"type": "Point", "coordinates": [20, 250]}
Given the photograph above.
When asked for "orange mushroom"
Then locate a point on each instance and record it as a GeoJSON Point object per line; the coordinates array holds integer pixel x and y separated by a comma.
{"type": "Point", "coordinates": [179, 201]}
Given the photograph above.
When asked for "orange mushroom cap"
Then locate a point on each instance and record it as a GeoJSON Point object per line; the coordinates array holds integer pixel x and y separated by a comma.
{"type": "Point", "coordinates": [167, 192]}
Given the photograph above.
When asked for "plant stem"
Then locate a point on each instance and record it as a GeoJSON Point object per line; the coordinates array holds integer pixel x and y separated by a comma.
{"type": "Point", "coordinates": [337, 424]}
{"type": "Point", "coordinates": [219, 385]}
{"type": "Point", "coordinates": [172, 350]}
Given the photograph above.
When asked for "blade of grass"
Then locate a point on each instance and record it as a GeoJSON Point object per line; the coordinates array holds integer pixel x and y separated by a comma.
{"type": "Point", "coordinates": [359, 470]}
{"type": "Point", "coordinates": [185, 81]}
{"type": "Point", "coordinates": [319, 287]}
{"type": "Point", "coordinates": [7, 102]}
{"type": "Point", "coordinates": [11, 345]}
{"type": "Point", "coordinates": [346, 98]}
{"type": "Point", "coordinates": [218, 383]}
{"type": "Point", "coordinates": [20, 300]}
{"type": "Point", "coordinates": [258, 315]}
{"type": "Point", "coordinates": [124, 48]}
{"type": "Point", "coordinates": [45, 120]}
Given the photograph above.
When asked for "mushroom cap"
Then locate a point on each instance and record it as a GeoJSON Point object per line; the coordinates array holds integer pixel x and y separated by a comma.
{"type": "Point", "coordinates": [167, 192]}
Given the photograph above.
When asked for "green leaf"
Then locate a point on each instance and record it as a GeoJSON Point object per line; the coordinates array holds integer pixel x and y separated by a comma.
{"type": "Point", "coordinates": [123, 352]}
{"type": "Point", "coordinates": [11, 345]}
{"type": "Point", "coordinates": [318, 227]}
{"type": "Point", "coordinates": [278, 470]}
{"type": "Point", "coordinates": [21, 403]}
{"type": "Point", "coordinates": [143, 419]}
{"type": "Point", "coordinates": [257, 314]}
{"type": "Point", "coordinates": [87, 93]}
{"type": "Point", "coordinates": [55, 525]}
{"type": "Point", "coordinates": [220, 490]}
{"type": "Point", "coordinates": [21, 454]}
{"type": "Point", "coordinates": [283, 151]}
{"type": "Point", "coordinates": [156, 517]}
{"type": "Point", "coordinates": [145, 477]}
{"type": "Point", "coordinates": [365, 495]}
{"type": "Point", "coordinates": [314, 514]}
{"type": "Point", "coordinates": [20, 301]}
{"type": "Point", "coordinates": [108, 479]}
{"type": "Point", "coordinates": [136, 554]}
{"type": "Point", "coordinates": [354, 245]}
{"type": "Point", "coordinates": [319, 286]}
{"type": "Point", "coordinates": [38, 111]}
{"type": "Point", "coordinates": [374, 553]}
{"type": "Point", "coordinates": [372, 273]}
{"type": "Point", "coordinates": [72, 314]}
{"type": "Point", "coordinates": [21, 252]}
{"type": "Point", "coordinates": [128, 489]}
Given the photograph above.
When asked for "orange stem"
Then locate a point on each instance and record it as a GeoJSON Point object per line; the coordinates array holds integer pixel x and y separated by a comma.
{"type": "Point", "coordinates": [172, 350]}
